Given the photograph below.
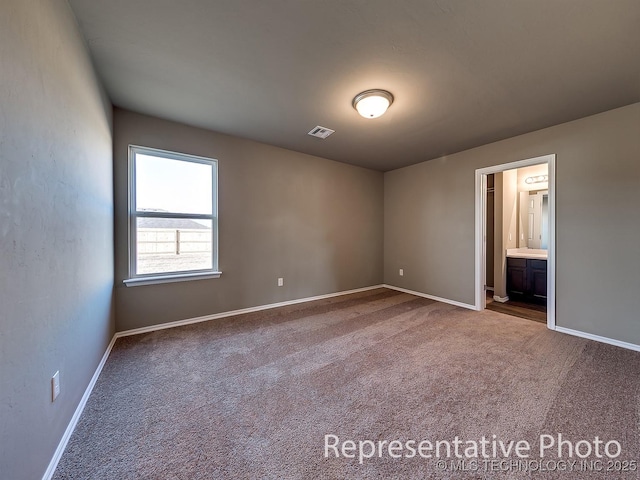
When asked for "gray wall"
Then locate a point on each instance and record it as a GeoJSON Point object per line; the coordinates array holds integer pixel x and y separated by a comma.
{"type": "Point", "coordinates": [56, 229]}
{"type": "Point", "coordinates": [429, 221]}
{"type": "Point", "coordinates": [315, 222]}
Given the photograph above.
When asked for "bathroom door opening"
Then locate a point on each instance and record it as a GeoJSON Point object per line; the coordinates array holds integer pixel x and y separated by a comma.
{"type": "Point", "coordinates": [547, 227]}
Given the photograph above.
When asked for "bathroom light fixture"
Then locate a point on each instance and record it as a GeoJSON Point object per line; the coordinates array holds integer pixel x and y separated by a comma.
{"type": "Point", "coordinates": [537, 179]}
{"type": "Point", "coordinates": [372, 103]}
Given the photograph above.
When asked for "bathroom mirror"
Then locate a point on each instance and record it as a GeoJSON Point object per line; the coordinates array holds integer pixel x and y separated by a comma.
{"type": "Point", "coordinates": [533, 220]}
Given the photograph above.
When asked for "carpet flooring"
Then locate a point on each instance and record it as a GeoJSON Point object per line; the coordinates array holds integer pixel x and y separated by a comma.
{"type": "Point", "coordinates": [253, 397]}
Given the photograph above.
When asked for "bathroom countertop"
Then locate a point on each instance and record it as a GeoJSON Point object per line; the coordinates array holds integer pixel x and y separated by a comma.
{"type": "Point", "coordinates": [527, 253]}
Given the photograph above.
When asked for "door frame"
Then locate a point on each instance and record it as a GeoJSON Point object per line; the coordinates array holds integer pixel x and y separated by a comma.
{"type": "Point", "coordinates": [481, 238]}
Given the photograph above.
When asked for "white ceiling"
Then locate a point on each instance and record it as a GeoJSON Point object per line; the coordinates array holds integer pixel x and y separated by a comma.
{"type": "Point", "coordinates": [463, 73]}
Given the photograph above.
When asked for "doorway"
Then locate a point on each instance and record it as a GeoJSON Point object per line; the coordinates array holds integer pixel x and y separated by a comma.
{"type": "Point", "coordinates": [548, 225]}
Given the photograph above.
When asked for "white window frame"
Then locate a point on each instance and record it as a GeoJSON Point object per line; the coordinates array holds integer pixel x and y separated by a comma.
{"type": "Point", "coordinates": [179, 276]}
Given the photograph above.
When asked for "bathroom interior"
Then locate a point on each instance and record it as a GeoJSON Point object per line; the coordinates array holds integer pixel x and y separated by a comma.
{"type": "Point", "coordinates": [517, 242]}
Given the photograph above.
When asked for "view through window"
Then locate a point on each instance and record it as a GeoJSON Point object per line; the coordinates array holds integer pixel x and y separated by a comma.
{"type": "Point", "coordinates": [173, 213]}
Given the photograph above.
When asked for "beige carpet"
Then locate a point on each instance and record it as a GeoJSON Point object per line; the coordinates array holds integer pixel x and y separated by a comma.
{"type": "Point", "coordinates": [253, 396]}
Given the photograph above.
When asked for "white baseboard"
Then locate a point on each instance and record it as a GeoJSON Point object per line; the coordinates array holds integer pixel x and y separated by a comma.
{"type": "Point", "coordinates": [500, 299]}
{"type": "Point", "coordinates": [431, 297]}
{"type": "Point", "coordinates": [598, 338]}
{"type": "Point", "coordinates": [76, 415]}
{"type": "Point", "coordinates": [215, 316]}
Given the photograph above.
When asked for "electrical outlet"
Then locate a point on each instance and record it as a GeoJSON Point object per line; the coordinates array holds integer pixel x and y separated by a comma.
{"type": "Point", "coordinates": [280, 281]}
{"type": "Point", "coordinates": [401, 272]}
{"type": "Point", "coordinates": [55, 386]}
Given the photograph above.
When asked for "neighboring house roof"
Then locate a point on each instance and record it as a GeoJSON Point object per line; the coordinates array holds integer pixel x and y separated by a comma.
{"type": "Point", "coordinates": [172, 223]}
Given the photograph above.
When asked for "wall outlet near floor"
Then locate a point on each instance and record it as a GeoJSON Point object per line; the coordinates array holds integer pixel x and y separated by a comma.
{"type": "Point", "coordinates": [55, 386]}
{"type": "Point", "coordinates": [401, 272]}
{"type": "Point", "coordinates": [280, 281]}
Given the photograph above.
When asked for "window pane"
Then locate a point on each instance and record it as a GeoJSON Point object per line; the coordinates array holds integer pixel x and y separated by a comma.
{"type": "Point", "coordinates": [167, 185]}
{"type": "Point", "coordinates": [173, 245]}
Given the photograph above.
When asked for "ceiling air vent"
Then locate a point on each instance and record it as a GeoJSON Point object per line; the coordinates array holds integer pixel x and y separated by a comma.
{"type": "Point", "coordinates": [321, 132]}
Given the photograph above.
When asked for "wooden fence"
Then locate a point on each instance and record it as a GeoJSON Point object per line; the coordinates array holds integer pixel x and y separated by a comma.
{"type": "Point", "coordinates": [155, 241]}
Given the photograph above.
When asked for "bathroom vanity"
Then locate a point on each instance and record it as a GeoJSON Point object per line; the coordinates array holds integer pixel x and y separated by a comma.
{"type": "Point", "coordinates": [527, 275]}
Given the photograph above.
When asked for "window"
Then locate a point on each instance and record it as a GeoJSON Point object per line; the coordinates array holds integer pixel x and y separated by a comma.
{"type": "Point", "coordinates": [173, 224]}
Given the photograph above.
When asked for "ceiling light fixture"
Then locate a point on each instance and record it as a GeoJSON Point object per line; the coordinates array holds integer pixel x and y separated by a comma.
{"type": "Point", "coordinates": [538, 179]}
{"type": "Point", "coordinates": [372, 103]}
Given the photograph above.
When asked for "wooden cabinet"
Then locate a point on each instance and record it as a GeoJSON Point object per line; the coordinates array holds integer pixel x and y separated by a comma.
{"type": "Point", "coordinates": [516, 276]}
{"type": "Point", "coordinates": [527, 280]}
{"type": "Point", "coordinates": [537, 271]}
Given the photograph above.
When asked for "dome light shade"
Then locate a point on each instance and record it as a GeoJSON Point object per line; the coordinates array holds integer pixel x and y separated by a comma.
{"type": "Point", "coordinates": [372, 103]}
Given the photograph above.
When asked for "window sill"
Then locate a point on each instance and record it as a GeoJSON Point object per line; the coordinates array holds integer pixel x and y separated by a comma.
{"type": "Point", "coordinates": [182, 277]}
